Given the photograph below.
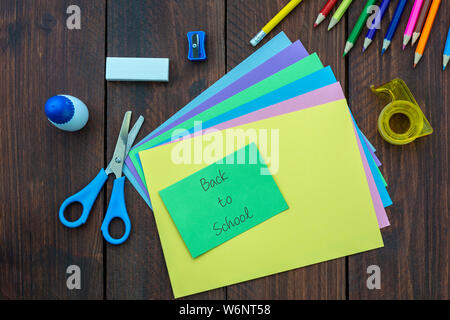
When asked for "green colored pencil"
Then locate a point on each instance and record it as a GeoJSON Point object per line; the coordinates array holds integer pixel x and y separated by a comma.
{"type": "Point", "coordinates": [360, 23]}
{"type": "Point", "coordinates": [340, 11]}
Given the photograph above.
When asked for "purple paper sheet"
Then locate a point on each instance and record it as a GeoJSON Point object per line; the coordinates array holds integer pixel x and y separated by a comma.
{"type": "Point", "coordinates": [295, 52]}
{"type": "Point", "coordinates": [312, 99]}
{"type": "Point", "coordinates": [375, 158]}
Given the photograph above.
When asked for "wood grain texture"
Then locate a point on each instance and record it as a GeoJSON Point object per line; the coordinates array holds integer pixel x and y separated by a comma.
{"type": "Point", "coordinates": [414, 261]}
{"type": "Point", "coordinates": [136, 269]}
{"type": "Point", "coordinates": [41, 166]}
{"type": "Point", "coordinates": [40, 57]}
{"type": "Point", "coordinates": [244, 19]}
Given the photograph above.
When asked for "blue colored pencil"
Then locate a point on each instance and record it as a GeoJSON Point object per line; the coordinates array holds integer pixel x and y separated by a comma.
{"type": "Point", "coordinates": [447, 50]}
{"type": "Point", "coordinates": [375, 24]}
{"type": "Point", "coordinates": [393, 25]}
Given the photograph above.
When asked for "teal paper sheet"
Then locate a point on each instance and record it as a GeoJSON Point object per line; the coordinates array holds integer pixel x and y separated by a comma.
{"type": "Point", "coordinates": [271, 48]}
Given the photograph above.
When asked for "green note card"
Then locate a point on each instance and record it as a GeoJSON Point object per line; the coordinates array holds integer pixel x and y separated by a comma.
{"type": "Point", "coordinates": [223, 200]}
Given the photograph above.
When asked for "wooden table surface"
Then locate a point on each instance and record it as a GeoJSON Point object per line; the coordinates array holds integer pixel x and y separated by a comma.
{"type": "Point", "coordinates": [41, 165]}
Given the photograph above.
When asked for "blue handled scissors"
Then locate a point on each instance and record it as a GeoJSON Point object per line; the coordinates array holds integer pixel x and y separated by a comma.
{"type": "Point", "coordinates": [116, 208]}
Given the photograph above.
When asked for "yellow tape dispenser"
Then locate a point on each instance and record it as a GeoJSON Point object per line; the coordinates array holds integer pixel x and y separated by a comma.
{"type": "Point", "coordinates": [403, 103]}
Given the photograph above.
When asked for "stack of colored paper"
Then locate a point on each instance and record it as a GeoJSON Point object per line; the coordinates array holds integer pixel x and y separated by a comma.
{"type": "Point", "coordinates": [323, 165]}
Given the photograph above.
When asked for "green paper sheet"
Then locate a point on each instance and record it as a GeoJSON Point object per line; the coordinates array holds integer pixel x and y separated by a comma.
{"type": "Point", "coordinates": [223, 200]}
{"type": "Point", "coordinates": [290, 74]}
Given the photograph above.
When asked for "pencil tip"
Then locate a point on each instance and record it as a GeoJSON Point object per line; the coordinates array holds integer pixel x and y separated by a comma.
{"type": "Point", "coordinates": [319, 19]}
{"type": "Point", "coordinates": [367, 43]}
{"type": "Point", "coordinates": [383, 51]}
{"type": "Point", "coordinates": [415, 64]}
{"type": "Point", "coordinates": [417, 58]}
{"type": "Point", "coordinates": [348, 47]}
{"type": "Point", "coordinates": [333, 22]}
{"type": "Point", "coordinates": [406, 39]}
{"type": "Point", "coordinates": [445, 61]}
{"type": "Point", "coordinates": [415, 37]}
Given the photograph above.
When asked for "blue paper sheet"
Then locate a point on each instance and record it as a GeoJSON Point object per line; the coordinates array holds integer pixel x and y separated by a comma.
{"type": "Point", "coordinates": [314, 81]}
{"type": "Point", "coordinates": [271, 48]}
{"type": "Point", "coordinates": [309, 83]}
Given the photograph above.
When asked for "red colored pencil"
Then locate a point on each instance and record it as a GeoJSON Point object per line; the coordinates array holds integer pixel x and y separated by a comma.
{"type": "Point", "coordinates": [325, 11]}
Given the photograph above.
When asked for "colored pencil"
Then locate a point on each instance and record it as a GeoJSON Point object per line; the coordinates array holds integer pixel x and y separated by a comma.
{"type": "Point", "coordinates": [325, 11]}
{"type": "Point", "coordinates": [426, 31]}
{"type": "Point", "coordinates": [275, 20]}
{"type": "Point", "coordinates": [375, 24]}
{"type": "Point", "coordinates": [340, 11]}
{"type": "Point", "coordinates": [359, 25]}
{"type": "Point", "coordinates": [420, 21]}
{"type": "Point", "coordinates": [412, 22]}
{"type": "Point", "coordinates": [393, 25]}
{"type": "Point", "coordinates": [446, 51]}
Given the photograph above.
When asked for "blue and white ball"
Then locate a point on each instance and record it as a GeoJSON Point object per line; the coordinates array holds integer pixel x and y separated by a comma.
{"type": "Point", "coordinates": [66, 112]}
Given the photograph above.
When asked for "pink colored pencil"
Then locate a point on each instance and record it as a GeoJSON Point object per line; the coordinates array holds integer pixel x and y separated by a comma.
{"type": "Point", "coordinates": [412, 22]}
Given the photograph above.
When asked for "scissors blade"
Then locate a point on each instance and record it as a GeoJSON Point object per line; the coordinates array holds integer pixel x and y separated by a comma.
{"type": "Point", "coordinates": [133, 133]}
{"type": "Point", "coordinates": [116, 164]}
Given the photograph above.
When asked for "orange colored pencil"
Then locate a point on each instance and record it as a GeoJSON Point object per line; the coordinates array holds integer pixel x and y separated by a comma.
{"type": "Point", "coordinates": [426, 31]}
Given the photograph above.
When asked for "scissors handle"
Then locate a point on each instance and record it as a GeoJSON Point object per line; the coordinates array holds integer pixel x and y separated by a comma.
{"type": "Point", "coordinates": [86, 197]}
{"type": "Point", "coordinates": [116, 209]}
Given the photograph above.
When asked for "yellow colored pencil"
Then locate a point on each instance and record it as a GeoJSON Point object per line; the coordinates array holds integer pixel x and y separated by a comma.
{"type": "Point", "coordinates": [275, 20]}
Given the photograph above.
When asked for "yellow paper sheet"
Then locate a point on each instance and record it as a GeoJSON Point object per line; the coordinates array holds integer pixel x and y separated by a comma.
{"type": "Point", "coordinates": [321, 176]}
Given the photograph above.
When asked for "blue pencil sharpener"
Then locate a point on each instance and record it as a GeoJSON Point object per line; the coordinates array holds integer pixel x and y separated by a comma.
{"type": "Point", "coordinates": [196, 41]}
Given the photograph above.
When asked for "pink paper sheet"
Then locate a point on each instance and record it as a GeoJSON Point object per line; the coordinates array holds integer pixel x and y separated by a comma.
{"type": "Point", "coordinates": [314, 98]}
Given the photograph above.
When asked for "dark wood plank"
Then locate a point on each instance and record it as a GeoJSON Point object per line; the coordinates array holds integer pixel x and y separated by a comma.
{"type": "Point", "coordinates": [39, 58]}
{"type": "Point", "coordinates": [41, 165]}
{"type": "Point", "coordinates": [244, 20]}
{"type": "Point", "coordinates": [136, 269]}
{"type": "Point", "coordinates": [414, 261]}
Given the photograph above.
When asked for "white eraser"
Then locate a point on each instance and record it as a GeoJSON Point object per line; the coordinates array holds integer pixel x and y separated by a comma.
{"type": "Point", "coordinates": [137, 69]}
